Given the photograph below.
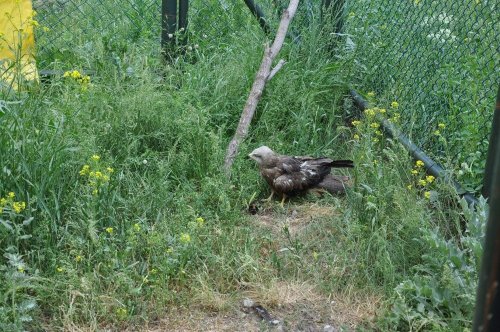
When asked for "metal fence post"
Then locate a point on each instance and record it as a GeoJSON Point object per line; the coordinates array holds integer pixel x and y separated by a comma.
{"type": "Point", "coordinates": [168, 25]}
{"type": "Point", "coordinates": [487, 316]}
{"type": "Point", "coordinates": [493, 146]}
{"type": "Point", "coordinates": [259, 14]}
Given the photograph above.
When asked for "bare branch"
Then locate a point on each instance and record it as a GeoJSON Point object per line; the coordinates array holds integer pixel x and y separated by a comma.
{"type": "Point", "coordinates": [276, 69]}
{"type": "Point", "coordinates": [259, 83]}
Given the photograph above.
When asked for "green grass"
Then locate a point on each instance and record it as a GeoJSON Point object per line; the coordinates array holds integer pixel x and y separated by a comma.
{"type": "Point", "coordinates": [120, 256]}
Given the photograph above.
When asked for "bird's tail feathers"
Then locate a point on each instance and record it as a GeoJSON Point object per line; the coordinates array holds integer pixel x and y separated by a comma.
{"type": "Point", "coordinates": [342, 163]}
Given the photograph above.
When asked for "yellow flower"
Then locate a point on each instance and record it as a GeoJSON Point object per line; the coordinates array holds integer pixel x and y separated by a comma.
{"type": "Point", "coordinates": [315, 255]}
{"type": "Point", "coordinates": [153, 271]}
{"type": "Point", "coordinates": [59, 269]}
{"type": "Point", "coordinates": [11, 195]}
{"type": "Point", "coordinates": [356, 123]}
{"type": "Point", "coordinates": [98, 175]}
{"type": "Point", "coordinates": [419, 163]}
{"type": "Point", "coordinates": [409, 186]}
{"type": "Point", "coordinates": [430, 178]}
{"type": "Point", "coordinates": [370, 112]}
{"type": "Point", "coordinates": [396, 117]}
{"type": "Point", "coordinates": [371, 94]}
{"type": "Point", "coordinates": [170, 250]}
{"type": "Point", "coordinates": [200, 221]}
{"type": "Point", "coordinates": [382, 111]}
{"type": "Point", "coordinates": [378, 132]}
{"type": "Point", "coordinates": [427, 194]}
{"type": "Point", "coordinates": [3, 201]}
{"type": "Point", "coordinates": [109, 230]}
{"type": "Point", "coordinates": [85, 170]}
{"type": "Point", "coordinates": [18, 206]}
{"type": "Point", "coordinates": [75, 74]}
{"type": "Point", "coordinates": [121, 313]}
{"type": "Point", "coordinates": [356, 137]}
{"type": "Point", "coordinates": [375, 125]}
{"type": "Point", "coordinates": [95, 192]}
{"type": "Point", "coordinates": [110, 170]}
{"type": "Point", "coordinates": [185, 238]}
{"type": "Point", "coordinates": [78, 258]}
{"type": "Point", "coordinates": [45, 29]}
{"type": "Point", "coordinates": [414, 172]}
{"type": "Point", "coordinates": [375, 162]}
{"type": "Point", "coordinates": [437, 133]}
{"type": "Point", "coordinates": [20, 269]}
{"type": "Point", "coordinates": [441, 126]}
{"type": "Point", "coordinates": [137, 227]}
{"type": "Point", "coordinates": [375, 140]}
{"type": "Point", "coordinates": [422, 183]}
{"type": "Point", "coordinates": [394, 104]}
{"type": "Point", "coordinates": [95, 157]}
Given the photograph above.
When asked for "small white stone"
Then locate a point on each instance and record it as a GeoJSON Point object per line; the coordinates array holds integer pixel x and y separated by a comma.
{"type": "Point", "coordinates": [248, 303]}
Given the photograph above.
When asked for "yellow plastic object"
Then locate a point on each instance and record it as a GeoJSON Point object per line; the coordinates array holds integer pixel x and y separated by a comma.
{"type": "Point", "coordinates": [17, 42]}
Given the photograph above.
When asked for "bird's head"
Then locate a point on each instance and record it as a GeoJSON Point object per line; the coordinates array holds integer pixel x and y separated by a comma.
{"type": "Point", "coordinates": [262, 154]}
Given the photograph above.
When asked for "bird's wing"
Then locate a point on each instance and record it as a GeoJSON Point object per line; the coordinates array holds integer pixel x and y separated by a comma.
{"type": "Point", "coordinates": [299, 174]}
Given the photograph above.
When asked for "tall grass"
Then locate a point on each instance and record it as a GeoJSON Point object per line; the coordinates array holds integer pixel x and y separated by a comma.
{"type": "Point", "coordinates": [161, 225]}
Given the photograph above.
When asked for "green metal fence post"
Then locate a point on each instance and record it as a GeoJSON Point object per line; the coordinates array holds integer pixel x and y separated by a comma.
{"type": "Point", "coordinates": [493, 146]}
{"type": "Point", "coordinates": [487, 316]}
{"type": "Point", "coordinates": [168, 26]}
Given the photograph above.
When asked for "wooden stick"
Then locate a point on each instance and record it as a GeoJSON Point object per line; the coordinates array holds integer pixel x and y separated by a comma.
{"type": "Point", "coordinates": [276, 69]}
{"type": "Point", "coordinates": [263, 75]}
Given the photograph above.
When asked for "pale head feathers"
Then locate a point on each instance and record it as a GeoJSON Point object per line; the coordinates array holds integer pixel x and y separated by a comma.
{"type": "Point", "coordinates": [262, 154]}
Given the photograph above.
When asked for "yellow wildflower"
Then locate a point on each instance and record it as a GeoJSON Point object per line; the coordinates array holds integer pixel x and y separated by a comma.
{"type": "Point", "coordinates": [356, 137]}
{"type": "Point", "coordinates": [95, 192]}
{"type": "Point", "coordinates": [414, 172]}
{"type": "Point", "coordinates": [375, 125]}
{"type": "Point", "coordinates": [121, 313]}
{"type": "Point", "coordinates": [394, 104]}
{"type": "Point", "coordinates": [3, 201]}
{"type": "Point", "coordinates": [378, 132]}
{"type": "Point", "coordinates": [409, 186]}
{"type": "Point", "coordinates": [20, 269]}
{"type": "Point", "coordinates": [96, 157]}
{"type": "Point", "coordinates": [170, 250]}
{"type": "Point", "coordinates": [59, 269]}
{"type": "Point", "coordinates": [200, 221]}
{"type": "Point", "coordinates": [11, 195]}
{"type": "Point", "coordinates": [441, 126]}
{"type": "Point", "coordinates": [18, 207]}
{"type": "Point", "coordinates": [371, 94]}
{"type": "Point", "coordinates": [109, 230]}
{"type": "Point", "coordinates": [75, 74]}
{"type": "Point", "coordinates": [382, 111]}
{"type": "Point", "coordinates": [153, 271]}
{"type": "Point", "coordinates": [437, 133]}
{"type": "Point", "coordinates": [375, 140]}
{"type": "Point", "coordinates": [98, 175]}
{"type": "Point", "coordinates": [45, 29]}
{"type": "Point", "coordinates": [396, 117]}
{"type": "Point", "coordinates": [110, 170]}
{"type": "Point", "coordinates": [185, 238]}
{"type": "Point", "coordinates": [137, 227]}
{"type": "Point", "coordinates": [356, 123]}
{"type": "Point", "coordinates": [427, 194]}
{"type": "Point", "coordinates": [422, 182]}
{"type": "Point", "coordinates": [370, 112]}
{"type": "Point", "coordinates": [419, 163]}
{"type": "Point", "coordinates": [78, 258]}
{"type": "Point", "coordinates": [430, 178]}
{"type": "Point", "coordinates": [85, 170]}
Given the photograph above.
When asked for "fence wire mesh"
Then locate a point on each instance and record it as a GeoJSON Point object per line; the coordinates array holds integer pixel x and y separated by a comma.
{"type": "Point", "coordinates": [438, 59]}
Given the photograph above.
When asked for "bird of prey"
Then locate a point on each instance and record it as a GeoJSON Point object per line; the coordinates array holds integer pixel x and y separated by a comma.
{"type": "Point", "coordinates": [294, 175]}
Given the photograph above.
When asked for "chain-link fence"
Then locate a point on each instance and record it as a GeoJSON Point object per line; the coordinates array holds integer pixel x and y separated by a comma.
{"type": "Point", "coordinates": [440, 61]}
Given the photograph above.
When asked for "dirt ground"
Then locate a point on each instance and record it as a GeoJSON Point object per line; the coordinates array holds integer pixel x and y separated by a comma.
{"type": "Point", "coordinates": [294, 306]}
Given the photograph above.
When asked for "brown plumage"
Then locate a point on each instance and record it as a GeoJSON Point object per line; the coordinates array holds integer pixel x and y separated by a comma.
{"type": "Point", "coordinates": [288, 175]}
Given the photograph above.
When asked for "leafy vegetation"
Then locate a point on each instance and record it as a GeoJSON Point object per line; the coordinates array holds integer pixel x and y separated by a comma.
{"type": "Point", "coordinates": [115, 207]}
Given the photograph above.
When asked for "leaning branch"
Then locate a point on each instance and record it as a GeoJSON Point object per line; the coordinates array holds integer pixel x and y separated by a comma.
{"type": "Point", "coordinates": [263, 75]}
